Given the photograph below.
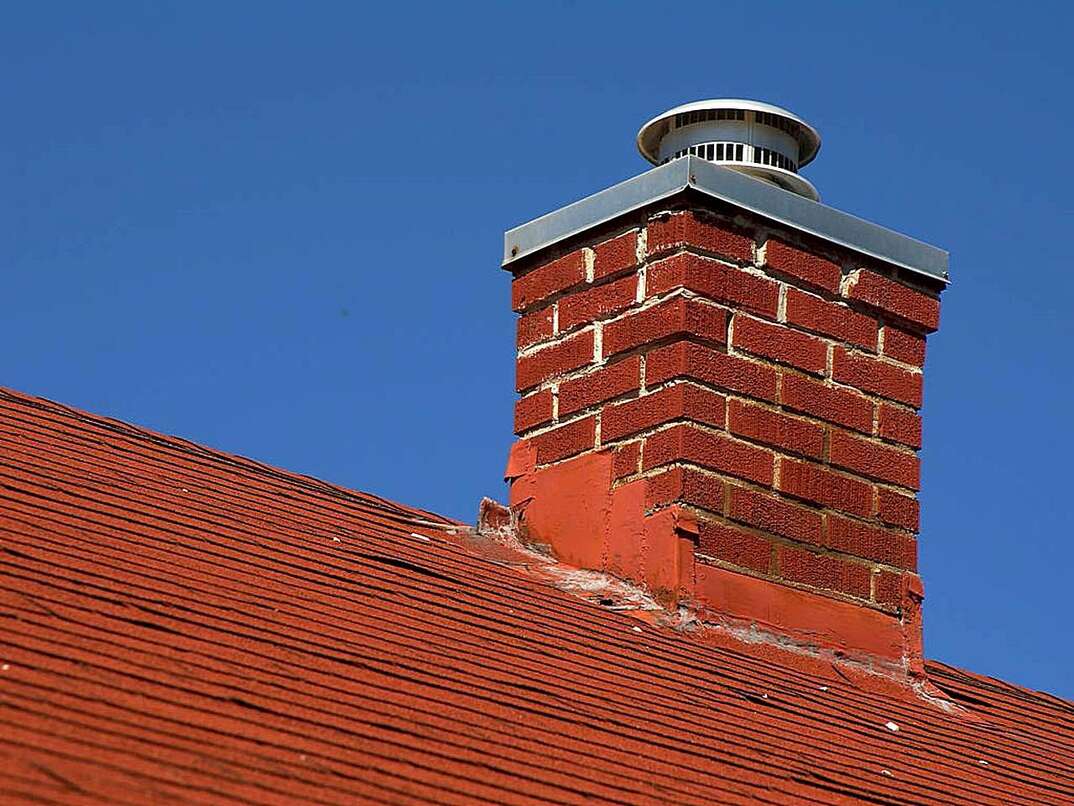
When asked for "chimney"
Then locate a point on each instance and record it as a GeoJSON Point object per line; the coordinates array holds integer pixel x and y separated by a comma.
{"type": "Point", "coordinates": [719, 382]}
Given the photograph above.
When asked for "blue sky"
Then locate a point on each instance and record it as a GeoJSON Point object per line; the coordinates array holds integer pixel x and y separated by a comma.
{"type": "Point", "coordinates": [276, 228]}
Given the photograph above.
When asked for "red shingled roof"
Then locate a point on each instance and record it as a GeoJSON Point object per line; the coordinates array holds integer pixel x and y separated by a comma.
{"type": "Point", "coordinates": [187, 626]}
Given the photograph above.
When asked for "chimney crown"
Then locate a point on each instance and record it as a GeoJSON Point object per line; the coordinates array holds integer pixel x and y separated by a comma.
{"type": "Point", "coordinates": [755, 138]}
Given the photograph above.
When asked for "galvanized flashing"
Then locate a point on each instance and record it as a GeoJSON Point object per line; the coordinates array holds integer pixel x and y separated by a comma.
{"type": "Point", "coordinates": [736, 189]}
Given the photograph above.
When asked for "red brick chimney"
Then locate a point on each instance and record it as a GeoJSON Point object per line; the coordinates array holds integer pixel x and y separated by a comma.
{"type": "Point", "coordinates": [719, 381]}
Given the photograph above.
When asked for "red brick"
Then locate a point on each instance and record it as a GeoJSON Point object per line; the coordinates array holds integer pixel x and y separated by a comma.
{"type": "Point", "coordinates": [821, 486]}
{"type": "Point", "coordinates": [808, 268]}
{"type": "Point", "coordinates": [780, 343]}
{"type": "Point", "coordinates": [687, 360]}
{"type": "Point", "coordinates": [889, 588]}
{"type": "Point", "coordinates": [898, 510]}
{"type": "Point", "coordinates": [611, 381]}
{"type": "Point", "coordinates": [841, 406]}
{"type": "Point", "coordinates": [735, 546]}
{"type": "Point", "coordinates": [899, 425]}
{"type": "Point", "coordinates": [567, 440]}
{"type": "Point", "coordinates": [876, 376]}
{"type": "Point", "coordinates": [678, 402]}
{"type": "Point", "coordinates": [677, 317]}
{"type": "Point", "coordinates": [542, 282]}
{"type": "Point", "coordinates": [714, 280]}
{"type": "Point", "coordinates": [873, 460]}
{"type": "Point", "coordinates": [904, 346]}
{"type": "Point", "coordinates": [772, 428]}
{"type": "Point", "coordinates": [831, 319]}
{"type": "Point", "coordinates": [563, 356]}
{"type": "Point", "coordinates": [684, 485]}
{"type": "Point", "coordinates": [533, 410]}
{"type": "Point", "coordinates": [894, 298]}
{"type": "Point", "coordinates": [688, 229]}
{"type": "Point", "coordinates": [869, 542]}
{"type": "Point", "coordinates": [765, 511]}
{"type": "Point", "coordinates": [597, 302]}
{"type": "Point", "coordinates": [827, 573]}
{"type": "Point", "coordinates": [625, 459]}
{"type": "Point", "coordinates": [534, 327]}
{"type": "Point", "coordinates": [615, 255]}
{"type": "Point", "coordinates": [686, 443]}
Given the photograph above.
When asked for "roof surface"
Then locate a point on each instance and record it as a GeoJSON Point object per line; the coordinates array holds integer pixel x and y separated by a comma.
{"type": "Point", "coordinates": [179, 625]}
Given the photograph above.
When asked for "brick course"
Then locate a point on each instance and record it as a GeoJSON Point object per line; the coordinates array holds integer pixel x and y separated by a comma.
{"type": "Point", "coordinates": [809, 268]}
{"type": "Point", "coordinates": [544, 281]}
{"type": "Point", "coordinates": [716, 281]}
{"type": "Point", "coordinates": [606, 383]}
{"type": "Point", "coordinates": [831, 319]}
{"type": "Point", "coordinates": [556, 359]}
{"type": "Point", "coordinates": [895, 299]}
{"type": "Point", "coordinates": [676, 317]}
{"type": "Point", "coordinates": [781, 344]}
{"type": "Point", "coordinates": [688, 229]}
{"type": "Point", "coordinates": [615, 255]}
{"type": "Point", "coordinates": [596, 302]}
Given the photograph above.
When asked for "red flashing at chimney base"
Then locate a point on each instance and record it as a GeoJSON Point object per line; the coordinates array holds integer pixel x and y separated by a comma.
{"type": "Point", "coordinates": [728, 417]}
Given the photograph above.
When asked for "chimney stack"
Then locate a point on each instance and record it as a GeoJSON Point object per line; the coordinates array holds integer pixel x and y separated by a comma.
{"type": "Point", "coordinates": [719, 382]}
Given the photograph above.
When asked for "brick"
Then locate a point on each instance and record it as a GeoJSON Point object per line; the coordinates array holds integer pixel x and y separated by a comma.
{"type": "Point", "coordinates": [878, 377]}
{"type": "Point", "coordinates": [611, 381]}
{"type": "Point", "coordinates": [676, 317]}
{"type": "Point", "coordinates": [678, 402]}
{"type": "Point", "coordinates": [734, 546]}
{"type": "Point", "coordinates": [892, 297]}
{"type": "Point", "coordinates": [688, 229]}
{"type": "Point", "coordinates": [565, 441]}
{"type": "Point", "coordinates": [765, 511]}
{"type": "Point", "coordinates": [904, 346]}
{"type": "Point", "coordinates": [615, 255]}
{"type": "Point", "coordinates": [874, 460]}
{"type": "Point", "coordinates": [694, 361]}
{"type": "Point", "coordinates": [687, 443]}
{"type": "Point", "coordinates": [897, 510]}
{"type": "Point", "coordinates": [831, 403]}
{"type": "Point", "coordinates": [780, 343]}
{"type": "Point", "coordinates": [824, 572]}
{"type": "Point", "coordinates": [533, 410]}
{"type": "Point", "coordinates": [759, 424]}
{"type": "Point", "coordinates": [684, 485]}
{"type": "Point", "coordinates": [870, 542]}
{"type": "Point", "coordinates": [831, 319]}
{"type": "Point", "coordinates": [594, 303]}
{"type": "Point", "coordinates": [714, 280]}
{"type": "Point", "coordinates": [821, 486]}
{"type": "Point", "coordinates": [542, 282]}
{"type": "Point", "coordinates": [563, 356]}
{"type": "Point", "coordinates": [534, 327]}
{"type": "Point", "coordinates": [802, 265]}
{"type": "Point", "coordinates": [899, 425]}
{"type": "Point", "coordinates": [625, 459]}
{"type": "Point", "coordinates": [889, 588]}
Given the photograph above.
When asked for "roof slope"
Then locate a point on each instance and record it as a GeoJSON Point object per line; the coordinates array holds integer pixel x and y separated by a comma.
{"type": "Point", "coordinates": [179, 625]}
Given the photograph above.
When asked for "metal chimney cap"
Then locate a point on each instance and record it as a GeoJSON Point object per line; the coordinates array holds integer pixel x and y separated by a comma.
{"type": "Point", "coordinates": [755, 138]}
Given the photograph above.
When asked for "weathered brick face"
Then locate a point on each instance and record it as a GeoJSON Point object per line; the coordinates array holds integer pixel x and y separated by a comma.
{"type": "Point", "coordinates": [768, 385]}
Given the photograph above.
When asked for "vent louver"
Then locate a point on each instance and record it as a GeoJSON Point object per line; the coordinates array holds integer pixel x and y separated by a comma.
{"type": "Point", "coordinates": [758, 139]}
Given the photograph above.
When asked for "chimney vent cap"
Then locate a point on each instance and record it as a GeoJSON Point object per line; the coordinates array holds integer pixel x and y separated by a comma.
{"type": "Point", "coordinates": [761, 140]}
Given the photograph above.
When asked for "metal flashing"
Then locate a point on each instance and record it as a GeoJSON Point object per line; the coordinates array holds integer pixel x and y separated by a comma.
{"type": "Point", "coordinates": [742, 191]}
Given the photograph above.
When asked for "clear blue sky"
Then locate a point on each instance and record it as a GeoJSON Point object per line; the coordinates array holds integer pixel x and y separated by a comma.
{"type": "Point", "coordinates": [275, 228]}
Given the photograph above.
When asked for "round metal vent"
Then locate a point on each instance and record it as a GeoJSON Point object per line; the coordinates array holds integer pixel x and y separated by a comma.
{"type": "Point", "coordinates": [761, 140]}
